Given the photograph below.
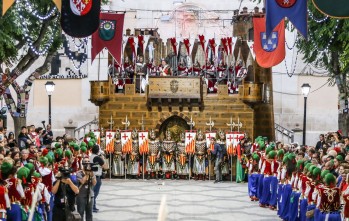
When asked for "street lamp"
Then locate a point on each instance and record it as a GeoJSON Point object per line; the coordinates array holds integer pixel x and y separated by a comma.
{"type": "Point", "coordinates": [50, 87]}
{"type": "Point", "coordinates": [305, 92]}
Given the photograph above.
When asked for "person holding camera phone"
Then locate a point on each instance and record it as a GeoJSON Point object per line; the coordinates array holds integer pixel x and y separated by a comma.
{"type": "Point", "coordinates": [97, 159]}
{"type": "Point", "coordinates": [64, 191]}
{"type": "Point", "coordinates": [87, 180]}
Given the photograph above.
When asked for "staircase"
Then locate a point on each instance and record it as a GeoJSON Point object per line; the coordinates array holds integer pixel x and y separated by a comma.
{"type": "Point", "coordinates": [283, 134]}
{"type": "Point", "coordinates": [80, 132]}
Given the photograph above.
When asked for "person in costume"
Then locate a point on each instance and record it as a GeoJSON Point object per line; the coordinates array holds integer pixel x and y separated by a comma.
{"type": "Point", "coordinates": [274, 181]}
{"type": "Point", "coordinates": [153, 158]}
{"type": "Point", "coordinates": [253, 176]}
{"type": "Point", "coordinates": [165, 69]}
{"type": "Point", "coordinates": [48, 178]}
{"type": "Point", "coordinates": [199, 166]}
{"type": "Point", "coordinates": [5, 203]}
{"type": "Point", "coordinates": [118, 168]}
{"type": "Point", "coordinates": [225, 164]}
{"type": "Point", "coordinates": [133, 167]}
{"type": "Point", "coordinates": [217, 151]}
{"type": "Point", "coordinates": [168, 158]}
{"type": "Point", "coordinates": [240, 174]}
{"type": "Point", "coordinates": [182, 164]}
{"type": "Point", "coordinates": [267, 173]}
{"type": "Point", "coordinates": [15, 191]}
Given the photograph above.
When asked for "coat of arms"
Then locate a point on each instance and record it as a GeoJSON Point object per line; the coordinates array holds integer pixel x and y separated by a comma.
{"type": "Point", "coordinates": [269, 44]}
{"type": "Point", "coordinates": [174, 86]}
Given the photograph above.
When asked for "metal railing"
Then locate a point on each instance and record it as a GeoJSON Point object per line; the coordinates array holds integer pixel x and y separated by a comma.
{"type": "Point", "coordinates": [289, 134]}
{"type": "Point", "coordinates": [77, 131]}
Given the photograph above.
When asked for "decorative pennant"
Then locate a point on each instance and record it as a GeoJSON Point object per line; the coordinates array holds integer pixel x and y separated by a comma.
{"type": "Point", "coordinates": [109, 35]}
{"type": "Point", "coordinates": [250, 46]}
{"type": "Point", "coordinates": [143, 142]}
{"type": "Point", "coordinates": [202, 42]}
{"type": "Point", "coordinates": [6, 4]}
{"type": "Point", "coordinates": [78, 22]}
{"type": "Point", "coordinates": [231, 43]}
{"type": "Point", "coordinates": [97, 134]}
{"type": "Point", "coordinates": [109, 141]}
{"type": "Point", "coordinates": [126, 141]}
{"type": "Point", "coordinates": [190, 137]}
{"type": "Point", "coordinates": [174, 45]}
{"type": "Point", "coordinates": [186, 43]}
{"type": "Point", "coordinates": [210, 135]}
{"type": "Point", "coordinates": [269, 51]}
{"type": "Point", "coordinates": [224, 42]}
{"type": "Point", "coordinates": [335, 9]}
{"type": "Point", "coordinates": [294, 10]}
{"type": "Point", "coordinates": [58, 4]}
{"type": "Point", "coordinates": [212, 45]}
{"type": "Point", "coordinates": [232, 140]}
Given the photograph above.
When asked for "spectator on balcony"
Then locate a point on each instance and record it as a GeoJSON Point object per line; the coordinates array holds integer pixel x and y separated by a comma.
{"type": "Point", "coordinates": [165, 69]}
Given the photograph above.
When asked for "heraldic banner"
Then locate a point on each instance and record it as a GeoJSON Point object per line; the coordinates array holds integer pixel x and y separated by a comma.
{"type": "Point", "coordinates": [126, 141]}
{"type": "Point", "coordinates": [109, 35]}
{"type": "Point", "coordinates": [210, 135]}
{"type": "Point", "coordinates": [143, 142]}
{"type": "Point", "coordinates": [270, 51]}
{"type": "Point", "coordinates": [190, 137]}
{"type": "Point", "coordinates": [109, 142]}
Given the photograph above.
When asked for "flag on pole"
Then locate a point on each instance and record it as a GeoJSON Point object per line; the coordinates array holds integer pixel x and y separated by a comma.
{"type": "Point", "coordinates": [97, 134]}
{"type": "Point", "coordinates": [335, 9]}
{"type": "Point", "coordinates": [143, 142]}
{"type": "Point", "coordinates": [210, 135]}
{"type": "Point", "coordinates": [190, 137]}
{"type": "Point", "coordinates": [294, 10]}
{"type": "Point", "coordinates": [231, 44]}
{"type": "Point", "coordinates": [109, 35]}
{"type": "Point", "coordinates": [250, 46]}
{"type": "Point", "coordinates": [232, 141]}
{"type": "Point", "coordinates": [126, 141]}
{"type": "Point", "coordinates": [269, 51]}
{"type": "Point", "coordinates": [109, 141]}
{"type": "Point", "coordinates": [6, 4]}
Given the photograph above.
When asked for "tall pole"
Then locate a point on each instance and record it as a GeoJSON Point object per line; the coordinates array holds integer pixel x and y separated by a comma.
{"type": "Point", "coordinates": [111, 122]}
{"type": "Point", "coordinates": [304, 119]}
{"type": "Point", "coordinates": [49, 109]}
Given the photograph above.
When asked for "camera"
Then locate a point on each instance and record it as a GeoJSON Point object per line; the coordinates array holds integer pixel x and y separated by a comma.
{"type": "Point", "coordinates": [65, 173]}
{"type": "Point", "coordinates": [90, 167]}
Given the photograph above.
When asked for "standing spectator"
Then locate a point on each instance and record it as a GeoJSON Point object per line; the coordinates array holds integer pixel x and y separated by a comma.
{"type": "Point", "coordinates": [23, 138]}
{"type": "Point", "coordinates": [320, 143]}
{"type": "Point", "coordinates": [217, 151]}
{"type": "Point", "coordinates": [48, 135]}
{"type": "Point", "coordinates": [11, 141]}
{"type": "Point", "coordinates": [24, 156]}
{"type": "Point", "coordinates": [39, 138]}
{"type": "Point", "coordinates": [96, 159]}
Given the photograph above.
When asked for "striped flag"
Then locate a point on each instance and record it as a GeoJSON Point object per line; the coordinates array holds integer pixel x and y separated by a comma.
{"type": "Point", "coordinates": [143, 142]}
{"type": "Point", "coordinates": [109, 141]}
{"type": "Point", "coordinates": [190, 137]}
{"type": "Point", "coordinates": [126, 141]}
{"type": "Point", "coordinates": [97, 134]}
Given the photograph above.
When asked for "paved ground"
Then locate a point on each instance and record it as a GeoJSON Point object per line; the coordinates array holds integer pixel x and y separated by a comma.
{"type": "Point", "coordinates": [128, 200]}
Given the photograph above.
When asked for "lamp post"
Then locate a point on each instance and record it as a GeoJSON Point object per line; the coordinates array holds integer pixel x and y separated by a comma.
{"type": "Point", "coordinates": [305, 92]}
{"type": "Point", "coordinates": [50, 87]}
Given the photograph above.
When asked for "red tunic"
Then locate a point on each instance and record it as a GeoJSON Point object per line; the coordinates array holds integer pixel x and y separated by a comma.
{"type": "Point", "coordinates": [267, 168]}
{"type": "Point", "coordinates": [329, 199]}
{"type": "Point", "coordinates": [275, 167]}
{"type": "Point", "coordinates": [305, 179]}
{"type": "Point", "coordinates": [311, 185]}
{"type": "Point", "coordinates": [346, 206]}
{"type": "Point", "coordinates": [28, 192]}
{"type": "Point", "coordinates": [12, 189]}
{"type": "Point", "coordinates": [3, 191]}
{"type": "Point", "coordinates": [47, 181]}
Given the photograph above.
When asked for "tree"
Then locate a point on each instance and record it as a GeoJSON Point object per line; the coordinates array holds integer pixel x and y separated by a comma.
{"type": "Point", "coordinates": [328, 46]}
{"type": "Point", "coordinates": [29, 30]}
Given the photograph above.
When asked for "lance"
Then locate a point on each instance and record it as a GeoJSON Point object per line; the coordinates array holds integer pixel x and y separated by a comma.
{"type": "Point", "coordinates": [127, 124]}
{"type": "Point", "coordinates": [231, 125]}
{"type": "Point", "coordinates": [111, 122]}
{"type": "Point", "coordinates": [211, 124]}
{"type": "Point", "coordinates": [191, 123]}
{"type": "Point", "coordinates": [142, 126]}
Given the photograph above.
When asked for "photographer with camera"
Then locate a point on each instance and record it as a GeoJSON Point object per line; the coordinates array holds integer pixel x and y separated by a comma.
{"type": "Point", "coordinates": [96, 158]}
{"type": "Point", "coordinates": [87, 180]}
{"type": "Point", "coordinates": [64, 191]}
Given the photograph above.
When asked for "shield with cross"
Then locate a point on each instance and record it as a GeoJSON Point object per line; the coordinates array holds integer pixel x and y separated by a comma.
{"type": "Point", "coordinates": [126, 141]}
{"type": "Point", "coordinates": [143, 142]}
{"type": "Point", "coordinates": [210, 135]}
{"type": "Point", "coordinates": [109, 141]}
{"type": "Point", "coordinates": [232, 140]}
{"type": "Point", "coordinates": [190, 137]}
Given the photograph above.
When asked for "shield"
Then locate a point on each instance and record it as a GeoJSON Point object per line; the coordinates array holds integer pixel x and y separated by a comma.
{"type": "Point", "coordinates": [80, 7]}
{"type": "Point", "coordinates": [286, 3]}
{"type": "Point", "coordinates": [174, 86]}
{"type": "Point", "coordinates": [271, 43]}
{"type": "Point", "coordinates": [107, 30]}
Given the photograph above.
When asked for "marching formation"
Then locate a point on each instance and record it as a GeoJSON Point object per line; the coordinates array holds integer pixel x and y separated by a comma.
{"type": "Point", "coordinates": [301, 183]}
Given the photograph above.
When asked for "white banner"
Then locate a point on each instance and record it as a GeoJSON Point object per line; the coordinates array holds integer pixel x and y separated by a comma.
{"type": "Point", "coordinates": [190, 138]}
{"type": "Point", "coordinates": [109, 141]}
{"type": "Point", "coordinates": [97, 134]}
{"type": "Point", "coordinates": [232, 140]}
{"type": "Point", "coordinates": [126, 141]}
{"type": "Point", "coordinates": [209, 135]}
{"type": "Point", "coordinates": [250, 46]}
{"type": "Point", "coordinates": [143, 142]}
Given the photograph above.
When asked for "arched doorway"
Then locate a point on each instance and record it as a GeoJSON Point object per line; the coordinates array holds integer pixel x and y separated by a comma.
{"type": "Point", "coordinates": [176, 125]}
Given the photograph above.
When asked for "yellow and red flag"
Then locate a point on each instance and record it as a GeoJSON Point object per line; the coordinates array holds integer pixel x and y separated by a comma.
{"type": "Point", "coordinates": [190, 137]}
{"type": "Point", "coordinates": [143, 142]}
{"type": "Point", "coordinates": [109, 141]}
{"type": "Point", "coordinates": [126, 141]}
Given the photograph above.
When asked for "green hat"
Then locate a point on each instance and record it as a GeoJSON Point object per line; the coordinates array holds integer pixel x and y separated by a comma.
{"type": "Point", "coordinates": [49, 159]}
{"type": "Point", "coordinates": [91, 143]}
{"type": "Point", "coordinates": [291, 156]}
{"type": "Point", "coordinates": [83, 144]}
{"type": "Point", "coordinates": [36, 174]}
{"type": "Point", "coordinates": [6, 168]}
{"type": "Point", "coordinates": [76, 147]}
{"type": "Point", "coordinates": [268, 149]}
{"type": "Point", "coordinates": [324, 172]}
{"type": "Point", "coordinates": [255, 157]}
{"type": "Point", "coordinates": [281, 152]}
{"type": "Point", "coordinates": [58, 145]}
{"type": "Point", "coordinates": [330, 179]}
{"type": "Point", "coordinates": [339, 158]}
{"type": "Point", "coordinates": [286, 159]}
{"type": "Point", "coordinates": [316, 172]}
{"type": "Point", "coordinates": [23, 174]}
{"type": "Point", "coordinates": [58, 152]}
{"type": "Point", "coordinates": [272, 145]}
{"type": "Point", "coordinates": [272, 154]}
{"type": "Point", "coordinates": [68, 153]}
{"type": "Point", "coordinates": [300, 164]}
{"type": "Point", "coordinates": [83, 149]}
{"type": "Point", "coordinates": [43, 160]}
{"type": "Point", "coordinates": [30, 166]}
{"type": "Point", "coordinates": [311, 168]}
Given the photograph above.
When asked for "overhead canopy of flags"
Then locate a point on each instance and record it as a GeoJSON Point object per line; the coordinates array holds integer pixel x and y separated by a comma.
{"type": "Point", "coordinates": [109, 35]}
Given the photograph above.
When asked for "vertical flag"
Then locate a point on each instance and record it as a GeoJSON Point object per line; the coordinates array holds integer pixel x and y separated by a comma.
{"type": "Point", "coordinates": [97, 134]}
{"type": "Point", "coordinates": [269, 51]}
{"type": "Point", "coordinates": [190, 137]}
{"type": "Point", "coordinates": [126, 141]}
{"type": "Point", "coordinates": [232, 141]}
{"type": "Point", "coordinates": [109, 35]}
{"type": "Point", "coordinates": [231, 43]}
{"type": "Point", "coordinates": [109, 141]}
{"type": "Point", "coordinates": [250, 46]}
{"type": "Point", "coordinates": [210, 135]}
{"type": "Point", "coordinates": [143, 142]}
{"type": "Point", "coordinates": [294, 10]}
